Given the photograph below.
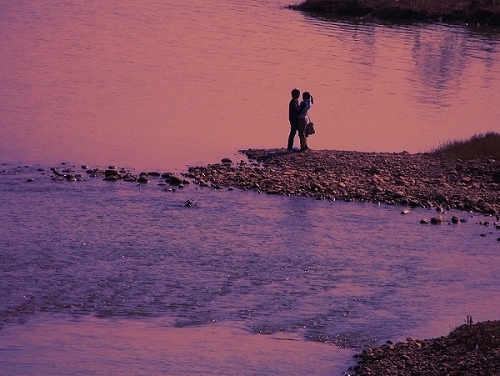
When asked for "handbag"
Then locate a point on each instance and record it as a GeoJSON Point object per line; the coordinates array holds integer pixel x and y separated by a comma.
{"type": "Point", "coordinates": [310, 129]}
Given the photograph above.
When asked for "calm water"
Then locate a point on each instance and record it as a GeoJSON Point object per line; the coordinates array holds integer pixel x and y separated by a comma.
{"type": "Point", "coordinates": [124, 279]}
{"type": "Point", "coordinates": [167, 83]}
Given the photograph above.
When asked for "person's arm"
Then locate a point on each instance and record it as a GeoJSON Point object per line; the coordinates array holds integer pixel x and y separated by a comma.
{"type": "Point", "coordinates": [301, 107]}
{"type": "Point", "coordinates": [292, 110]}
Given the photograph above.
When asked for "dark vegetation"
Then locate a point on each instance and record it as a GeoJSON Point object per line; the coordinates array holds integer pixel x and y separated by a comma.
{"type": "Point", "coordinates": [478, 146]}
{"type": "Point", "coordinates": [485, 335]}
{"type": "Point", "coordinates": [485, 12]}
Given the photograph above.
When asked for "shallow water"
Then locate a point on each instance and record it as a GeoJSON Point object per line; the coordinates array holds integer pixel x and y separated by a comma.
{"type": "Point", "coordinates": [119, 347]}
{"type": "Point", "coordinates": [338, 273]}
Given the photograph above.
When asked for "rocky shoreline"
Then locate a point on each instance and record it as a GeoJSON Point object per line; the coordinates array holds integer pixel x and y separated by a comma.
{"type": "Point", "coordinates": [424, 180]}
{"type": "Point", "coordinates": [410, 180]}
{"type": "Point", "coordinates": [469, 350]}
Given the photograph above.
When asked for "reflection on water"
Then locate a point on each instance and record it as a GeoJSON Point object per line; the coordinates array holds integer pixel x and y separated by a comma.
{"type": "Point", "coordinates": [434, 57]}
{"type": "Point", "coordinates": [164, 84]}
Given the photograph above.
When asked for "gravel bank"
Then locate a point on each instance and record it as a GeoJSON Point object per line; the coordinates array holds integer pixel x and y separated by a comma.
{"type": "Point", "coordinates": [412, 180]}
{"type": "Point", "coordinates": [469, 350]}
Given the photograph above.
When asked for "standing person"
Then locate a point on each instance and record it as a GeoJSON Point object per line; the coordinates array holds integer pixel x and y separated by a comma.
{"type": "Point", "coordinates": [292, 117]}
{"type": "Point", "coordinates": [303, 116]}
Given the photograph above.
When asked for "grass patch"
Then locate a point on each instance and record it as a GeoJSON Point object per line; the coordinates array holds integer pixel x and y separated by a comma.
{"type": "Point", "coordinates": [484, 335]}
{"type": "Point", "coordinates": [479, 146]}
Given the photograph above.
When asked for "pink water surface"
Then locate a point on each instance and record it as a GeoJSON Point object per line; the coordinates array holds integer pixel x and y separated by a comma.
{"type": "Point", "coordinates": [165, 84]}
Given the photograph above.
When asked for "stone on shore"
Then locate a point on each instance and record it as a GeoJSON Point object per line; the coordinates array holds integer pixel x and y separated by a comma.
{"type": "Point", "coordinates": [415, 180]}
{"type": "Point", "coordinates": [437, 220]}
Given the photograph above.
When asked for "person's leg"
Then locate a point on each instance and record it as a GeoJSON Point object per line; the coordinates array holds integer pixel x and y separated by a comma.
{"type": "Point", "coordinates": [291, 136]}
{"type": "Point", "coordinates": [303, 142]}
{"type": "Point", "coordinates": [302, 136]}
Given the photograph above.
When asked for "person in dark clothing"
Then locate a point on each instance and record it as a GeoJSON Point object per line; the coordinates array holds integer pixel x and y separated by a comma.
{"type": "Point", "coordinates": [294, 120]}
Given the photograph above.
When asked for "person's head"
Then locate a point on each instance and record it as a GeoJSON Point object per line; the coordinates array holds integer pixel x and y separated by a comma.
{"type": "Point", "coordinates": [307, 96]}
{"type": "Point", "coordinates": [295, 93]}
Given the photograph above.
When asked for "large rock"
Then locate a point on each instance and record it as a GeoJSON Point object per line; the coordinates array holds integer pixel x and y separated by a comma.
{"type": "Point", "coordinates": [174, 180]}
{"type": "Point", "coordinates": [486, 208]}
{"type": "Point", "coordinates": [437, 220]}
{"type": "Point", "coordinates": [143, 179]}
{"type": "Point", "coordinates": [110, 172]}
